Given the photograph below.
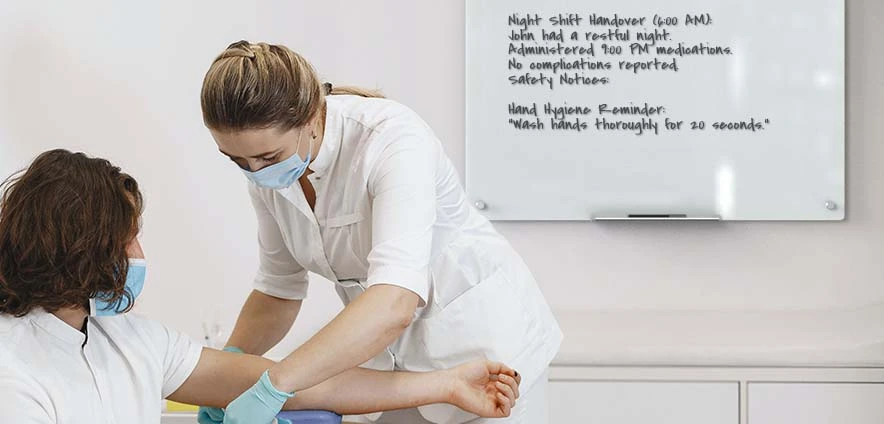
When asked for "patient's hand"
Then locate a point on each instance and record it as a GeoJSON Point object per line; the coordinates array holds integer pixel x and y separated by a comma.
{"type": "Point", "coordinates": [487, 389]}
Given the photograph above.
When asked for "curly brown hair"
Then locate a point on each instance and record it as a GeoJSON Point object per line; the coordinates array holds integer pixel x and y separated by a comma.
{"type": "Point", "coordinates": [65, 224]}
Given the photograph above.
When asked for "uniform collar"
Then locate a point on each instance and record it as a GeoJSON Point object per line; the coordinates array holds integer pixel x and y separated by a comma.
{"type": "Point", "coordinates": [331, 138]}
{"type": "Point", "coordinates": [56, 327]}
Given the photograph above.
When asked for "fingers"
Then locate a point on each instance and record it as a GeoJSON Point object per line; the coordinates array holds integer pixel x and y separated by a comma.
{"type": "Point", "coordinates": [501, 372]}
{"type": "Point", "coordinates": [500, 368]}
{"type": "Point", "coordinates": [508, 392]}
{"type": "Point", "coordinates": [511, 382]}
{"type": "Point", "coordinates": [503, 405]}
{"type": "Point", "coordinates": [210, 416]}
{"type": "Point", "coordinates": [493, 367]}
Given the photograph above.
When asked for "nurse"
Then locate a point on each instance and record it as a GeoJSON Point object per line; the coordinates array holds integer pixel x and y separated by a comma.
{"type": "Point", "coordinates": [357, 189]}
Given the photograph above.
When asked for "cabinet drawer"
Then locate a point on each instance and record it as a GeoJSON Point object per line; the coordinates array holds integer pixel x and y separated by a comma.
{"type": "Point", "coordinates": [644, 402]}
{"type": "Point", "coordinates": [816, 403]}
{"type": "Point", "coordinates": [178, 418]}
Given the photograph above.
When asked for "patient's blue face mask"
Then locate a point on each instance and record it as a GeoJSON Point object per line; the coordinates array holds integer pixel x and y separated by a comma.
{"type": "Point", "coordinates": [134, 285]}
{"type": "Point", "coordinates": [282, 174]}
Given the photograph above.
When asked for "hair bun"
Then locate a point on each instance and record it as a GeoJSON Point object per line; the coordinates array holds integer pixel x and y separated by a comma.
{"type": "Point", "coordinates": [237, 52]}
{"type": "Point", "coordinates": [241, 48]}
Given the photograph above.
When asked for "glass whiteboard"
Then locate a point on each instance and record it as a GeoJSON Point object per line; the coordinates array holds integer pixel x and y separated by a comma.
{"type": "Point", "coordinates": [685, 109]}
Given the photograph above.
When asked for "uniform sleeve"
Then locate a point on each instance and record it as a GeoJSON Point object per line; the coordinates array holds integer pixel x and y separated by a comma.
{"type": "Point", "coordinates": [279, 274]}
{"type": "Point", "coordinates": [175, 354]}
{"type": "Point", "coordinates": [403, 200]}
{"type": "Point", "coordinates": [179, 354]}
{"type": "Point", "coordinates": [20, 401]}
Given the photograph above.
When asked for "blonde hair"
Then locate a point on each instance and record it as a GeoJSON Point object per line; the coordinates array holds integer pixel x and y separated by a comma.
{"type": "Point", "coordinates": [251, 86]}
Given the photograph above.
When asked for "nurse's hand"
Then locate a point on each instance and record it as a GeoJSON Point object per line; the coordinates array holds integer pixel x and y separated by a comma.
{"type": "Point", "coordinates": [485, 388]}
{"type": "Point", "coordinates": [258, 405]}
{"type": "Point", "coordinates": [210, 415]}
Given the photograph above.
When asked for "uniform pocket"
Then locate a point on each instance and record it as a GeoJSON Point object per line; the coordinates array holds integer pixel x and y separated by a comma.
{"type": "Point", "coordinates": [459, 268]}
{"type": "Point", "coordinates": [340, 238]}
{"type": "Point", "coordinates": [487, 321]}
{"type": "Point", "coordinates": [343, 220]}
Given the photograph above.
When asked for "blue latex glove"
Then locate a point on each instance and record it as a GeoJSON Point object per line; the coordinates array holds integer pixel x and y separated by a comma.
{"type": "Point", "coordinates": [209, 415]}
{"type": "Point", "coordinates": [258, 405]}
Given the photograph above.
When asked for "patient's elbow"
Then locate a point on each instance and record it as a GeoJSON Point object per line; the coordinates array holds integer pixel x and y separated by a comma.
{"type": "Point", "coordinates": [399, 303]}
{"type": "Point", "coordinates": [404, 318]}
{"type": "Point", "coordinates": [403, 310]}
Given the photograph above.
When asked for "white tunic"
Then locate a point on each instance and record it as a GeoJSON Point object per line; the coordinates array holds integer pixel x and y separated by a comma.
{"type": "Point", "coordinates": [53, 373]}
{"type": "Point", "coordinates": [390, 209]}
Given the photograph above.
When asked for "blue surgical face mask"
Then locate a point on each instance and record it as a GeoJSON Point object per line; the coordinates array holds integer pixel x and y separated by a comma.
{"type": "Point", "coordinates": [134, 285]}
{"type": "Point", "coordinates": [282, 174]}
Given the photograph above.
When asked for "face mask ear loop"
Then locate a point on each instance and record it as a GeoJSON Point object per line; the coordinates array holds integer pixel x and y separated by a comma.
{"type": "Point", "coordinates": [310, 153]}
{"type": "Point", "coordinates": [298, 146]}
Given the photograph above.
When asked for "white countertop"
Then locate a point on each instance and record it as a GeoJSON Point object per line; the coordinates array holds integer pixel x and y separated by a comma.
{"type": "Point", "coordinates": [829, 338]}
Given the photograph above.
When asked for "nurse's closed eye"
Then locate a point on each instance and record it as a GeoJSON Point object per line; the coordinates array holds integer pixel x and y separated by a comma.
{"type": "Point", "coordinates": [240, 163]}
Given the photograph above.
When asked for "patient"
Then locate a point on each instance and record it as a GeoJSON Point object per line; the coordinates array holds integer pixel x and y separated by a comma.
{"type": "Point", "coordinates": [71, 268]}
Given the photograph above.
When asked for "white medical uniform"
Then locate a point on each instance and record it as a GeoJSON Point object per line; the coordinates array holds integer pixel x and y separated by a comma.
{"type": "Point", "coordinates": [390, 209]}
{"type": "Point", "coordinates": [53, 373]}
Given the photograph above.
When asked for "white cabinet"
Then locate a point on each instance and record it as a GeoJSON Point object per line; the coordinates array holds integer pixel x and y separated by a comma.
{"type": "Point", "coordinates": [644, 402]}
{"type": "Point", "coordinates": [178, 419]}
{"type": "Point", "coordinates": [816, 403]}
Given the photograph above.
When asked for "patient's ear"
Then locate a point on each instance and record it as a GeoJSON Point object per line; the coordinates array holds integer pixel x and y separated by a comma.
{"type": "Point", "coordinates": [133, 250]}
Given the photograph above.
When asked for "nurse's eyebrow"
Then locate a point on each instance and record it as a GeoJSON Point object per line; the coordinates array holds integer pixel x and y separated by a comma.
{"type": "Point", "coordinates": [253, 157]}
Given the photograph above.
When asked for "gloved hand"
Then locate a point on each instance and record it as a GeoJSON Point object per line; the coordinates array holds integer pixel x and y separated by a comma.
{"type": "Point", "coordinates": [209, 415]}
{"type": "Point", "coordinates": [258, 405]}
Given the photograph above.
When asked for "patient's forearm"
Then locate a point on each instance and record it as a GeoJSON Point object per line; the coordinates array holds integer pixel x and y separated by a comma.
{"type": "Point", "coordinates": [361, 391]}
{"type": "Point", "coordinates": [222, 376]}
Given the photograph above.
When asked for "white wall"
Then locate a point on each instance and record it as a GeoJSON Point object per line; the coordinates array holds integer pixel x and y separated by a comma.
{"type": "Point", "coordinates": [121, 80]}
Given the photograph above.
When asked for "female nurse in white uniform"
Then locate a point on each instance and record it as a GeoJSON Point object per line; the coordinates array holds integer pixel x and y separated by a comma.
{"type": "Point", "coordinates": [357, 189]}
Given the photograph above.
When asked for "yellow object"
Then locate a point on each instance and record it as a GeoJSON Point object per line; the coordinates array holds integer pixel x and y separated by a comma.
{"type": "Point", "coordinates": [180, 407]}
